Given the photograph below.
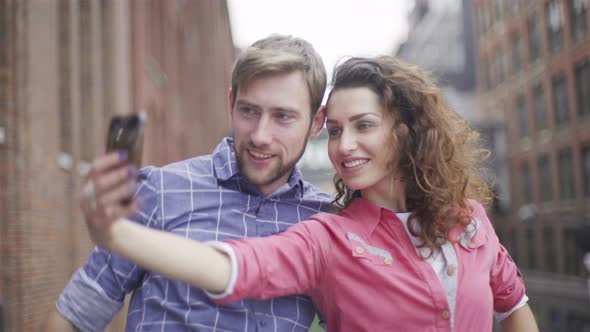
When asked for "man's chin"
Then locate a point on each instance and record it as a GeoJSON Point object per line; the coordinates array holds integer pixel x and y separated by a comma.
{"type": "Point", "coordinates": [257, 178]}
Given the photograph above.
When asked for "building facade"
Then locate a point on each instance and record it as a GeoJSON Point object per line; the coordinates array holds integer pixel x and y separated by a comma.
{"type": "Point", "coordinates": [533, 70]}
{"type": "Point", "coordinates": [441, 39]}
{"type": "Point", "coordinates": [67, 66]}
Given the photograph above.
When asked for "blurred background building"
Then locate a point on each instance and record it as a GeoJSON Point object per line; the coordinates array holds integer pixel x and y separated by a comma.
{"type": "Point", "coordinates": [519, 71]}
{"type": "Point", "coordinates": [66, 66]}
{"type": "Point", "coordinates": [533, 71]}
{"type": "Point", "coordinates": [441, 39]}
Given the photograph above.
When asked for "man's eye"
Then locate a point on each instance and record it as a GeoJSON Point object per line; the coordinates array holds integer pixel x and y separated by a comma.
{"type": "Point", "coordinates": [248, 111]}
{"type": "Point", "coordinates": [284, 116]}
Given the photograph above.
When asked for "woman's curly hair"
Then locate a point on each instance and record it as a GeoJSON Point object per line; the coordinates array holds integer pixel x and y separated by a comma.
{"type": "Point", "coordinates": [437, 154]}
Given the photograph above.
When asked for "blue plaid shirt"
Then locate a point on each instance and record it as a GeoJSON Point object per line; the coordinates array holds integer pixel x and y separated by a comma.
{"type": "Point", "coordinates": [203, 198]}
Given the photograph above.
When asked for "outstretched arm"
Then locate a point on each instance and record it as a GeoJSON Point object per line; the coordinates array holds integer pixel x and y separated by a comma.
{"type": "Point", "coordinates": [55, 322]}
{"type": "Point", "coordinates": [171, 255]}
{"type": "Point", "coordinates": [109, 182]}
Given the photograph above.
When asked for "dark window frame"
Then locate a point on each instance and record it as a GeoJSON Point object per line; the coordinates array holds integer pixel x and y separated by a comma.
{"type": "Point", "coordinates": [565, 164]}
{"type": "Point", "coordinates": [540, 107]}
{"type": "Point", "coordinates": [559, 93]}
{"type": "Point", "coordinates": [555, 21]}
{"type": "Point", "coordinates": [545, 180]}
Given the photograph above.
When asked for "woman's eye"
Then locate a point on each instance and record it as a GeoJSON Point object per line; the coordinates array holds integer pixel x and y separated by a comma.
{"type": "Point", "coordinates": [364, 125]}
{"type": "Point", "coordinates": [334, 132]}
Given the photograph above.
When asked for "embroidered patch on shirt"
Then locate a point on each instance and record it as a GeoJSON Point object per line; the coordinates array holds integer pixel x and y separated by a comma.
{"type": "Point", "coordinates": [376, 251]}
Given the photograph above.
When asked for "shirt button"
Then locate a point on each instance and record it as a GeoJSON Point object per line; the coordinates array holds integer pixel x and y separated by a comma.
{"type": "Point", "coordinates": [451, 270]}
{"type": "Point", "coordinates": [472, 245]}
{"type": "Point", "coordinates": [445, 314]}
{"type": "Point", "coordinates": [359, 250]}
{"type": "Point", "coordinates": [388, 260]}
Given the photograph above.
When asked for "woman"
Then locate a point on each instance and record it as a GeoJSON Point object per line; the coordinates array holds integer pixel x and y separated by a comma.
{"type": "Point", "coordinates": [411, 248]}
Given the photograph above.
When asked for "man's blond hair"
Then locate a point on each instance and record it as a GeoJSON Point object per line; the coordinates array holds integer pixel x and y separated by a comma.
{"type": "Point", "coordinates": [282, 54]}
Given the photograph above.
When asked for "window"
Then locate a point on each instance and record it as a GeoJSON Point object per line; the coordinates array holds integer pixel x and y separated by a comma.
{"type": "Point", "coordinates": [501, 65]}
{"type": "Point", "coordinates": [577, 321]}
{"type": "Point", "coordinates": [498, 10]}
{"type": "Point", "coordinates": [582, 73]}
{"type": "Point", "coordinates": [534, 37]}
{"type": "Point", "coordinates": [64, 72]}
{"type": "Point", "coordinates": [573, 254]}
{"type": "Point", "coordinates": [517, 52]}
{"type": "Point", "coordinates": [579, 18]}
{"type": "Point", "coordinates": [521, 115]}
{"type": "Point", "coordinates": [513, 7]}
{"type": "Point", "coordinates": [486, 74]}
{"type": "Point", "coordinates": [484, 20]}
{"type": "Point", "coordinates": [530, 248]}
{"type": "Point", "coordinates": [526, 185]}
{"type": "Point", "coordinates": [545, 183]}
{"type": "Point", "coordinates": [539, 107]}
{"type": "Point", "coordinates": [566, 176]}
{"type": "Point", "coordinates": [554, 24]}
{"type": "Point", "coordinates": [560, 100]}
{"type": "Point", "coordinates": [550, 249]}
{"type": "Point", "coordinates": [586, 169]}
{"type": "Point", "coordinates": [514, 241]}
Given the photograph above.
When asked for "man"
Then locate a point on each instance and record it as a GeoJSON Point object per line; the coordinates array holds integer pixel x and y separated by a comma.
{"type": "Point", "coordinates": [248, 186]}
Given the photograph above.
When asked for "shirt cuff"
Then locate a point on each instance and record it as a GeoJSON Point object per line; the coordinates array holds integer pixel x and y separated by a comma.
{"type": "Point", "coordinates": [229, 251]}
{"type": "Point", "coordinates": [500, 316]}
{"type": "Point", "coordinates": [86, 305]}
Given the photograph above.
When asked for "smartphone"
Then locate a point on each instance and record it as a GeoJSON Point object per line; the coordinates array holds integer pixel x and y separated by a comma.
{"type": "Point", "coordinates": [126, 133]}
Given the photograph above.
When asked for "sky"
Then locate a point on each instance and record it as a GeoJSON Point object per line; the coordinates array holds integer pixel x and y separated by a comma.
{"type": "Point", "coordinates": [336, 28]}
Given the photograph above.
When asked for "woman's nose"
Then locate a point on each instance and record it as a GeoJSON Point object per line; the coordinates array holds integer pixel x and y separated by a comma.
{"type": "Point", "coordinates": [348, 142]}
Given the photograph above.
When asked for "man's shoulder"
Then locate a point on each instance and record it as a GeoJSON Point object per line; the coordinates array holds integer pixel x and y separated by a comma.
{"type": "Point", "coordinates": [315, 195]}
{"type": "Point", "coordinates": [313, 191]}
{"type": "Point", "coordinates": [196, 169]}
{"type": "Point", "coordinates": [202, 163]}
{"type": "Point", "coordinates": [199, 163]}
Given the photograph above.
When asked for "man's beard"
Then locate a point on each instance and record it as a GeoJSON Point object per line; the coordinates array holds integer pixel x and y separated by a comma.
{"type": "Point", "coordinates": [278, 170]}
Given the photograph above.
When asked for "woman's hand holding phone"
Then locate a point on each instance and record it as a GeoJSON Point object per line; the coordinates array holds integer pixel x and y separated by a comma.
{"type": "Point", "coordinates": [108, 189]}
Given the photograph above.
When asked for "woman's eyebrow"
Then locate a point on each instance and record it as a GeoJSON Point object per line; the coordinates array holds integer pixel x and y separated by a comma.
{"type": "Point", "coordinates": [354, 117]}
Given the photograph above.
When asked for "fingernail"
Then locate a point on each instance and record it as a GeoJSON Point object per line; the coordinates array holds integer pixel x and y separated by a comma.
{"type": "Point", "coordinates": [132, 171]}
{"type": "Point", "coordinates": [123, 154]}
{"type": "Point", "coordinates": [132, 186]}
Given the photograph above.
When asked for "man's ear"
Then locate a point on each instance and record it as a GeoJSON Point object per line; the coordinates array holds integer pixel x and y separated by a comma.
{"type": "Point", "coordinates": [230, 104]}
{"type": "Point", "coordinates": [318, 122]}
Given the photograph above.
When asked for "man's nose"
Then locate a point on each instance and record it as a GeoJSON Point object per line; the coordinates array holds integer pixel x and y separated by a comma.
{"type": "Point", "coordinates": [262, 134]}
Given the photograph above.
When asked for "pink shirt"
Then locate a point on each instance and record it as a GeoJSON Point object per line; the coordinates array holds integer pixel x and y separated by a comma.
{"type": "Point", "coordinates": [363, 272]}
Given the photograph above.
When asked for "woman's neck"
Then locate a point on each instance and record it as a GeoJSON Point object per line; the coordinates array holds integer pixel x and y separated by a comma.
{"type": "Point", "coordinates": [393, 197]}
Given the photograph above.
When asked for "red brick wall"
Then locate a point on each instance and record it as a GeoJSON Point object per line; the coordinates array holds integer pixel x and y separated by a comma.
{"type": "Point", "coordinates": [172, 58]}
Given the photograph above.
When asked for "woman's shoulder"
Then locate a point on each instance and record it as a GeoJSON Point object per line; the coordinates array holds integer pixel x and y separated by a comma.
{"type": "Point", "coordinates": [479, 217]}
{"type": "Point", "coordinates": [478, 210]}
{"type": "Point", "coordinates": [327, 217]}
{"type": "Point", "coordinates": [333, 221]}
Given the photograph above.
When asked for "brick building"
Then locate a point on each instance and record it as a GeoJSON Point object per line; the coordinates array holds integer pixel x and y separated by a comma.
{"type": "Point", "coordinates": [534, 72]}
{"type": "Point", "coordinates": [441, 39]}
{"type": "Point", "coordinates": [66, 66]}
